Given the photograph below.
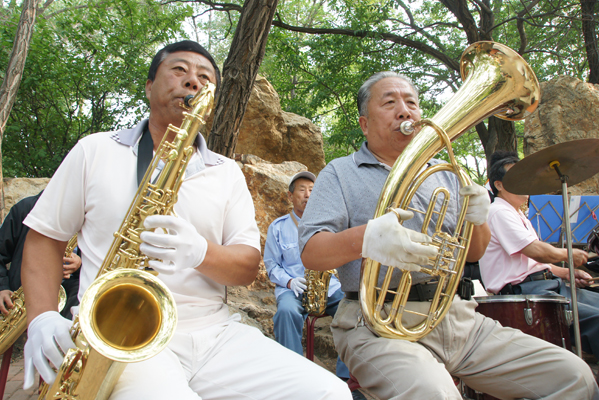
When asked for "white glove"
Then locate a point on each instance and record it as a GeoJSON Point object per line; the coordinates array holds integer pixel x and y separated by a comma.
{"type": "Point", "coordinates": [298, 285]}
{"type": "Point", "coordinates": [47, 335]}
{"type": "Point", "coordinates": [389, 243]}
{"type": "Point", "coordinates": [182, 247]}
{"type": "Point", "coordinates": [478, 207]}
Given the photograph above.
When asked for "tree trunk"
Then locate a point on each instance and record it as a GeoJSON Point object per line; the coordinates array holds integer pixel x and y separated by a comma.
{"type": "Point", "coordinates": [499, 134]}
{"type": "Point", "coordinates": [590, 38]}
{"type": "Point", "coordinates": [239, 73]}
{"type": "Point", "coordinates": [14, 73]}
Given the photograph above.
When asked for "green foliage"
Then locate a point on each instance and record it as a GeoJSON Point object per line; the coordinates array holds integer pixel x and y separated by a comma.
{"type": "Point", "coordinates": [85, 72]}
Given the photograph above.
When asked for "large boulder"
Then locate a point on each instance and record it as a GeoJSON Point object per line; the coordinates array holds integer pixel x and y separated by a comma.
{"type": "Point", "coordinates": [278, 136]}
{"type": "Point", "coordinates": [568, 110]}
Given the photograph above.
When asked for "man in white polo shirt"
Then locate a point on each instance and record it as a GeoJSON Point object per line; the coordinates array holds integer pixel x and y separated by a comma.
{"type": "Point", "coordinates": [213, 242]}
{"type": "Point", "coordinates": [517, 262]}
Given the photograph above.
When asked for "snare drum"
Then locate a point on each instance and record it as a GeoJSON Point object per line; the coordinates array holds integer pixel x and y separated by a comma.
{"type": "Point", "coordinates": [545, 317]}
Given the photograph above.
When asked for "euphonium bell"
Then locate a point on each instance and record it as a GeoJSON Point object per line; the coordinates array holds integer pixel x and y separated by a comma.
{"type": "Point", "coordinates": [497, 82]}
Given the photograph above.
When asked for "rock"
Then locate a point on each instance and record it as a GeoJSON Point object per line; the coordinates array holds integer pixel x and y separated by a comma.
{"type": "Point", "coordinates": [16, 189]}
{"type": "Point", "coordinates": [278, 136]}
{"type": "Point", "coordinates": [568, 110]}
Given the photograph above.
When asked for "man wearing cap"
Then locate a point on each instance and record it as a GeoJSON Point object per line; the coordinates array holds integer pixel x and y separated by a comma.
{"type": "Point", "coordinates": [285, 269]}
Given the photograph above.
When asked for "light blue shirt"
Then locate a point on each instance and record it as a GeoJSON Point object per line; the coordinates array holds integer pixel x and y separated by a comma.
{"type": "Point", "coordinates": [282, 256]}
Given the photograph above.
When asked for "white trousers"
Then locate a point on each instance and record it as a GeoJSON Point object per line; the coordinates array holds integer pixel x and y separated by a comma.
{"type": "Point", "coordinates": [227, 361]}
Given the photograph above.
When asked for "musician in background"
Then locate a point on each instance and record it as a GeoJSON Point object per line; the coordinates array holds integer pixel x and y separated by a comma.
{"type": "Point", "coordinates": [517, 262]}
{"type": "Point", "coordinates": [12, 240]}
{"type": "Point", "coordinates": [285, 269]}
{"type": "Point", "coordinates": [336, 231]}
{"type": "Point", "coordinates": [212, 242]}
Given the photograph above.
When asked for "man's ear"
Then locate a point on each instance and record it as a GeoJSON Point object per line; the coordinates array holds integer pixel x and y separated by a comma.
{"type": "Point", "coordinates": [498, 185]}
{"type": "Point", "coordinates": [363, 121]}
{"type": "Point", "coordinates": [148, 88]}
{"type": "Point", "coordinates": [289, 194]}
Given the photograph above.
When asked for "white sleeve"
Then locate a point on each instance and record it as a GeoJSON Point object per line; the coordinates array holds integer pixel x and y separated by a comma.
{"type": "Point", "coordinates": [59, 213]}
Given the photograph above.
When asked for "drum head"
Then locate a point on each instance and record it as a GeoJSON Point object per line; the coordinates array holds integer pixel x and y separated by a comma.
{"type": "Point", "coordinates": [516, 298]}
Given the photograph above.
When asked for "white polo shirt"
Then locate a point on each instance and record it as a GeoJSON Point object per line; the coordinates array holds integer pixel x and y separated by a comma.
{"type": "Point", "coordinates": [503, 261]}
{"type": "Point", "coordinates": [92, 190]}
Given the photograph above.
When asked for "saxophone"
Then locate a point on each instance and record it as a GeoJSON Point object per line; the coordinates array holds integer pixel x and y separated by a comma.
{"type": "Point", "coordinates": [317, 291]}
{"type": "Point", "coordinates": [123, 290]}
{"type": "Point", "coordinates": [14, 324]}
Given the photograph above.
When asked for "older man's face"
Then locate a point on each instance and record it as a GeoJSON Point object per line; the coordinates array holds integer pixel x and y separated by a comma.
{"type": "Point", "coordinates": [392, 102]}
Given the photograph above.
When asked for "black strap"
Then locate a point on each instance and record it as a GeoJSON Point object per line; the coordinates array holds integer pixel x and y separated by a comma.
{"type": "Point", "coordinates": [145, 153]}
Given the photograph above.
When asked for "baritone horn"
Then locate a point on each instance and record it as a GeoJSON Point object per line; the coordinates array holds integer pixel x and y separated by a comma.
{"type": "Point", "coordinates": [497, 81]}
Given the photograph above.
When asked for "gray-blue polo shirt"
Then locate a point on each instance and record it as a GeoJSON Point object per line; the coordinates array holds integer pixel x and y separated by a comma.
{"type": "Point", "coordinates": [345, 195]}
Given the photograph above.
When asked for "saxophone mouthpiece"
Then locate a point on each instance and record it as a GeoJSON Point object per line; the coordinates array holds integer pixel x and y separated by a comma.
{"type": "Point", "coordinates": [407, 128]}
{"type": "Point", "coordinates": [188, 99]}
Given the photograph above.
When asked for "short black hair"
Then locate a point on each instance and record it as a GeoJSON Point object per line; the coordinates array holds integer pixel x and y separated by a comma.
{"type": "Point", "coordinates": [184, 45]}
{"type": "Point", "coordinates": [497, 171]}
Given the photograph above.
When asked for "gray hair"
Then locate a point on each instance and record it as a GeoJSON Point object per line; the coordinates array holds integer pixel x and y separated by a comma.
{"type": "Point", "coordinates": [365, 90]}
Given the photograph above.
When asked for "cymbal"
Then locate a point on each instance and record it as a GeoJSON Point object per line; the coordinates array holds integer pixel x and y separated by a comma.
{"type": "Point", "coordinates": [578, 160]}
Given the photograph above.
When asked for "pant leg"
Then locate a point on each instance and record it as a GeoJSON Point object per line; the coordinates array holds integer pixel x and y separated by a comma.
{"type": "Point", "coordinates": [341, 369]}
{"type": "Point", "coordinates": [502, 362]}
{"type": "Point", "coordinates": [289, 321]}
{"type": "Point", "coordinates": [159, 378]}
{"type": "Point", "coordinates": [389, 368]}
{"type": "Point", "coordinates": [509, 364]}
{"type": "Point", "coordinates": [244, 364]}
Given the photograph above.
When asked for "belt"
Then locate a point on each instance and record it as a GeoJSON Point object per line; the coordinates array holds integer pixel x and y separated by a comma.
{"type": "Point", "coordinates": [418, 292]}
{"type": "Point", "coordinates": [538, 276]}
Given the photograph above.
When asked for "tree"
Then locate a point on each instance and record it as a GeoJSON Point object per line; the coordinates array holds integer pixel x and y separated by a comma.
{"type": "Point", "coordinates": [239, 73]}
{"type": "Point", "coordinates": [12, 77]}
{"type": "Point", "coordinates": [319, 54]}
{"type": "Point", "coordinates": [85, 73]}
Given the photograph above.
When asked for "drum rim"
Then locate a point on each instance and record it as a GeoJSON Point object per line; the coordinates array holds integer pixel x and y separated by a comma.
{"type": "Point", "coordinates": [519, 298]}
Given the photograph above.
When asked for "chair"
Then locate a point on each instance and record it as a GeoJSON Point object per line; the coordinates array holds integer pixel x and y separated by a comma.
{"type": "Point", "coordinates": [4, 369]}
{"type": "Point", "coordinates": [310, 322]}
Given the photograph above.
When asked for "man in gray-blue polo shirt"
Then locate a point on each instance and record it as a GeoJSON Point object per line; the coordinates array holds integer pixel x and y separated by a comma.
{"type": "Point", "coordinates": [337, 229]}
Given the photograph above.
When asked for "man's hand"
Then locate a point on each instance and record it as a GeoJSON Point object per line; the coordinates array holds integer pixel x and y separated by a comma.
{"type": "Point", "coordinates": [181, 248]}
{"type": "Point", "coordinates": [580, 257]}
{"type": "Point", "coordinates": [48, 338]}
{"type": "Point", "coordinates": [297, 285]}
{"type": "Point", "coordinates": [389, 243]}
{"type": "Point", "coordinates": [5, 301]}
{"type": "Point", "coordinates": [70, 265]}
{"type": "Point", "coordinates": [478, 207]}
{"type": "Point", "coordinates": [582, 278]}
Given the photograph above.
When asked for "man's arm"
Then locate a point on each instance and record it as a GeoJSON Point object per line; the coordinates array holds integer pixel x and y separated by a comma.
{"type": "Point", "coordinates": [273, 259]}
{"type": "Point", "coordinates": [481, 235]}
{"type": "Point", "coordinates": [327, 250]}
{"type": "Point", "coordinates": [41, 273]}
{"type": "Point", "coordinates": [545, 253]}
{"type": "Point", "coordinates": [231, 265]}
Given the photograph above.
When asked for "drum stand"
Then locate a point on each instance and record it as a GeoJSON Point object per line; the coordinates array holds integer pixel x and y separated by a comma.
{"type": "Point", "coordinates": [564, 179]}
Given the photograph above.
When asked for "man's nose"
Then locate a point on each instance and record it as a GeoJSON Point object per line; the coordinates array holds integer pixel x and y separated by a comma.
{"type": "Point", "coordinates": [193, 82]}
{"type": "Point", "coordinates": [402, 110]}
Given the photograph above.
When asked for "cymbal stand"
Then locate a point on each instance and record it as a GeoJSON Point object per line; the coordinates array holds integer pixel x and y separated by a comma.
{"type": "Point", "coordinates": [564, 180]}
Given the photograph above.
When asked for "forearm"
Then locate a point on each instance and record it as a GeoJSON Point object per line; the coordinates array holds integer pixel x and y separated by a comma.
{"type": "Point", "coordinates": [545, 253]}
{"type": "Point", "coordinates": [231, 265]}
{"type": "Point", "coordinates": [481, 235]}
{"type": "Point", "coordinates": [41, 273]}
{"type": "Point", "coordinates": [328, 250]}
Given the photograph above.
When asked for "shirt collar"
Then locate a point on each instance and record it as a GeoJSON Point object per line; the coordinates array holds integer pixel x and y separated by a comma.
{"type": "Point", "coordinates": [365, 156]}
{"type": "Point", "coordinates": [130, 137]}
